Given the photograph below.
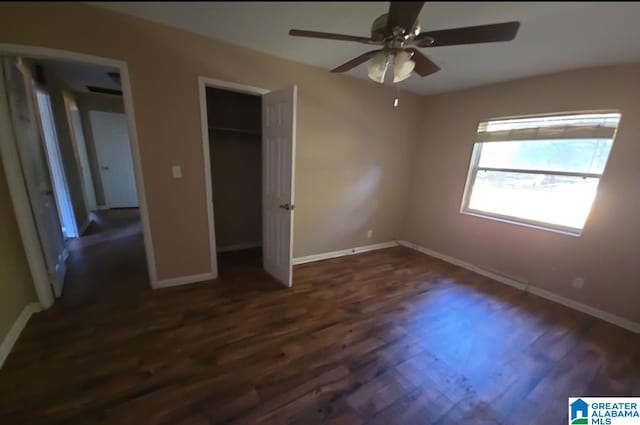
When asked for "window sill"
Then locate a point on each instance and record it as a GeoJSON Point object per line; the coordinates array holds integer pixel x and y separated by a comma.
{"type": "Point", "coordinates": [481, 214]}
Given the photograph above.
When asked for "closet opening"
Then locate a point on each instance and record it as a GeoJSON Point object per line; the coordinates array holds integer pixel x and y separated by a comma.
{"type": "Point", "coordinates": [249, 143]}
{"type": "Point", "coordinates": [235, 148]}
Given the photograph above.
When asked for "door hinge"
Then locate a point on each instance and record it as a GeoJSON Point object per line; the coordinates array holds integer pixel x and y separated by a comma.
{"type": "Point", "coordinates": [287, 207]}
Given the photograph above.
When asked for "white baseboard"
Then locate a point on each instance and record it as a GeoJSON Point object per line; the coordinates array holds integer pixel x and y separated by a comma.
{"type": "Point", "coordinates": [341, 253]}
{"type": "Point", "coordinates": [497, 277]}
{"type": "Point", "coordinates": [592, 311]}
{"type": "Point", "coordinates": [185, 280]}
{"type": "Point", "coordinates": [16, 329]}
{"type": "Point", "coordinates": [551, 296]}
{"type": "Point", "coordinates": [238, 247]}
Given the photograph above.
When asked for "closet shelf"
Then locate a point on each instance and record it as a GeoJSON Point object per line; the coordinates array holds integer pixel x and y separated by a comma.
{"type": "Point", "coordinates": [235, 130]}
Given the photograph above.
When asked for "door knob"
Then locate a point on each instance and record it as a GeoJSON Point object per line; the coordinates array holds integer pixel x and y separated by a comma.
{"type": "Point", "coordinates": [287, 207]}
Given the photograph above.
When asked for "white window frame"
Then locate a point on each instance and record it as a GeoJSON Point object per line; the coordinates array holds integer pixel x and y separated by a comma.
{"type": "Point", "coordinates": [474, 168]}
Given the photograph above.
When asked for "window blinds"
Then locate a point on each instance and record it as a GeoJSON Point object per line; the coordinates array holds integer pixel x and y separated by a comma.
{"type": "Point", "coordinates": [574, 126]}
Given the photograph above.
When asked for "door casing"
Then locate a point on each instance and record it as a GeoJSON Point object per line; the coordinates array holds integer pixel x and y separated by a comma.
{"type": "Point", "coordinates": [203, 83]}
{"type": "Point", "coordinates": [17, 188]}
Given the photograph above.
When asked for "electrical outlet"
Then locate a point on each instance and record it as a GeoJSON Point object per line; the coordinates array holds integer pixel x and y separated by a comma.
{"type": "Point", "coordinates": [176, 172]}
{"type": "Point", "coordinates": [578, 282]}
{"type": "Point", "coordinates": [369, 234]}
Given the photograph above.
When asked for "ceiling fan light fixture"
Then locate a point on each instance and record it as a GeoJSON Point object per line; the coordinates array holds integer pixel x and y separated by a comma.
{"type": "Point", "coordinates": [402, 66]}
{"type": "Point", "coordinates": [378, 66]}
{"type": "Point", "coordinates": [398, 32]}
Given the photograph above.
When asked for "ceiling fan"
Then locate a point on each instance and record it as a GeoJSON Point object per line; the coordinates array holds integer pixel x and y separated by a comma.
{"type": "Point", "coordinates": [398, 31]}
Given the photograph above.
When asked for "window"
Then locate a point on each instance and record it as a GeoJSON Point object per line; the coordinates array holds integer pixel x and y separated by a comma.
{"type": "Point", "coordinates": [541, 171]}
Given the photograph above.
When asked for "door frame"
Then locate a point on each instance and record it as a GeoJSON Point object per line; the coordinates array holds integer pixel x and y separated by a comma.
{"type": "Point", "coordinates": [203, 83]}
{"type": "Point", "coordinates": [53, 156]}
{"type": "Point", "coordinates": [88, 187]}
{"type": "Point", "coordinates": [15, 181]}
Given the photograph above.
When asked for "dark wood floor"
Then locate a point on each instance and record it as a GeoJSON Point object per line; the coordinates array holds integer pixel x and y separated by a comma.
{"type": "Point", "coordinates": [108, 262]}
{"type": "Point", "coordinates": [386, 337]}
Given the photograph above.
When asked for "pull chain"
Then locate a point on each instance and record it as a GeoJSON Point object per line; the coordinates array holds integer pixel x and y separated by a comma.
{"type": "Point", "coordinates": [396, 99]}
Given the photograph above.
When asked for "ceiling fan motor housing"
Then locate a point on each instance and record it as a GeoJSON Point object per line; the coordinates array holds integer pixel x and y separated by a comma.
{"type": "Point", "coordinates": [379, 28]}
{"type": "Point", "coordinates": [380, 32]}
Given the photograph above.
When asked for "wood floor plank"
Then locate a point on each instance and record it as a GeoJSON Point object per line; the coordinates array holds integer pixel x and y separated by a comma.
{"type": "Point", "coordinates": [386, 337]}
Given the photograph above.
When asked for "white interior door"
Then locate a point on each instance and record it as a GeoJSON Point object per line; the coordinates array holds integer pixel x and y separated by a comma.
{"type": "Point", "coordinates": [278, 154]}
{"type": "Point", "coordinates": [111, 136]}
{"type": "Point", "coordinates": [31, 151]}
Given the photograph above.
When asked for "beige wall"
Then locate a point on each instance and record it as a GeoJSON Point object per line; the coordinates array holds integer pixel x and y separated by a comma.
{"type": "Point", "coordinates": [16, 284]}
{"type": "Point", "coordinates": [236, 173]}
{"type": "Point", "coordinates": [86, 103]}
{"type": "Point", "coordinates": [353, 146]}
{"type": "Point", "coordinates": [354, 151]}
{"type": "Point", "coordinates": [608, 252]}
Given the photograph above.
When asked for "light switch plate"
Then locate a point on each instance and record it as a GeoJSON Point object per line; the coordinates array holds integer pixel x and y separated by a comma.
{"type": "Point", "coordinates": [176, 171]}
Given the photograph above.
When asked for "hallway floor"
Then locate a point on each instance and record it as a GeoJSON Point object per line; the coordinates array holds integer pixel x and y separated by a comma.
{"type": "Point", "coordinates": [108, 261]}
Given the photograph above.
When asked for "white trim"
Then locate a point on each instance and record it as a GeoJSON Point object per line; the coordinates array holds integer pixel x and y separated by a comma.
{"type": "Point", "coordinates": [21, 203]}
{"type": "Point", "coordinates": [203, 83]}
{"type": "Point", "coordinates": [541, 172]}
{"type": "Point", "coordinates": [236, 87]}
{"type": "Point", "coordinates": [79, 146]}
{"type": "Point", "coordinates": [239, 247]}
{"type": "Point", "coordinates": [524, 286]}
{"type": "Point", "coordinates": [16, 329]}
{"type": "Point", "coordinates": [18, 191]}
{"type": "Point", "coordinates": [204, 124]}
{"type": "Point", "coordinates": [137, 168]}
{"type": "Point", "coordinates": [343, 252]}
{"type": "Point", "coordinates": [491, 275]}
{"type": "Point", "coordinates": [528, 223]}
{"type": "Point", "coordinates": [294, 142]}
{"type": "Point", "coordinates": [183, 280]}
{"type": "Point", "coordinates": [584, 308]}
{"type": "Point", "coordinates": [46, 123]}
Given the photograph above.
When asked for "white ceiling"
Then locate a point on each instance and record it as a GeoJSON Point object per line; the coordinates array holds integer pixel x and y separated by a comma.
{"type": "Point", "coordinates": [552, 37]}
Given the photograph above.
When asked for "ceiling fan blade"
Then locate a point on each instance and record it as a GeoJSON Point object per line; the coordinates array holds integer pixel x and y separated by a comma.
{"type": "Point", "coordinates": [356, 61]}
{"type": "Point", "coordinates": [424, 66]}
{"type": "Point", "coordinates": [505, 31]}
{"type": "Point", "coordinates": [403, 14]}
{"type": "Point", "coordinates": [332, 36]}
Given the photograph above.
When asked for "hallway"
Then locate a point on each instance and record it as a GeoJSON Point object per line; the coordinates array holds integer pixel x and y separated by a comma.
{"type": "Point", "coordinates": [109, 261]}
